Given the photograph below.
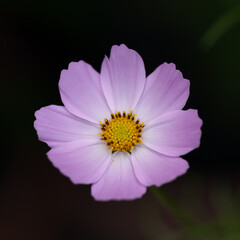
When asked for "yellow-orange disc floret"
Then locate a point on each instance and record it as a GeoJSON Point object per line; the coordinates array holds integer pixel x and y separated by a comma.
{"type": "Point", "coordinates": [122, 132]}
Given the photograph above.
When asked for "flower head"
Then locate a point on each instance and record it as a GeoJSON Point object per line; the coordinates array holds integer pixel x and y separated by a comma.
{"type": "Point", "coordinates": [120, 130]}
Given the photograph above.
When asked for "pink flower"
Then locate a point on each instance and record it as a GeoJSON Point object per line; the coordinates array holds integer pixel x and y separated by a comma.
{"type": "Point", "coordinates": [118, 130]}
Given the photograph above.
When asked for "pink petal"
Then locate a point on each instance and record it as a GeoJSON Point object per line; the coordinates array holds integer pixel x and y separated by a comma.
{"type": "Point", "coordinates": [119, 181]}
{"type": "Point", "coordinates": [83, 161]}
{"type": "Point", "coordinates": [81, 92]}
{"type": "Point", "coordinates": [153, 168]}
{"type": "Point", "coordinates": [174, 133]}
{"type": "Point", "coordinates": [166, 90]}
{"type": "Point", "coordinates": [122, 78]}
{"type": "Point", "coordinates": [55, 125]}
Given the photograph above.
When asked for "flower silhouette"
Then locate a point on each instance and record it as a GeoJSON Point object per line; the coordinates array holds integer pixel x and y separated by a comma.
{"type": "Point", "coordinates": [120, 130]}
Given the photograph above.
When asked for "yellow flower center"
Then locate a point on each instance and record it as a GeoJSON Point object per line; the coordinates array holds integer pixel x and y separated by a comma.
{"type": "Point", "coordinates": [122, 132]}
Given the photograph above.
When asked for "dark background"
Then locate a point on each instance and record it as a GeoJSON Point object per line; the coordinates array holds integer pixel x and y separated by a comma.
{"type": "Point", "coordinates": [40, 38]}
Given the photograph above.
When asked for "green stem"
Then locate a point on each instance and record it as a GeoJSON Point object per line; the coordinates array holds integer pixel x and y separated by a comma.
{"type": "Point", "coordinates": [173, 207]}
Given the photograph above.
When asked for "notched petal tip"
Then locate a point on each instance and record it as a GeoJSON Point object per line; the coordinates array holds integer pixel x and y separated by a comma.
{"type": "Point", "coordinates": [120, 46]}
{"type": "Point", "coordinates": [37, 112]}
{"type": "Point", "coordinates": [103, 199]}
{"type": "Point", "coordinates": [199, 123]}
{"type": "Point", "coordinates": [71, 67]}
{"type": "Point", "coordinates": [74, 64]}
{"type": "Point", "coordinates": [173, 65]}
{"type": "Point", "coordinates": [200, 120]}
{"type": "Point", "coordinates": [174, 68]}
{"type": "Point", "coordinates": [195, 115]}
{"type": "Point", "coordinates": [123, 50]}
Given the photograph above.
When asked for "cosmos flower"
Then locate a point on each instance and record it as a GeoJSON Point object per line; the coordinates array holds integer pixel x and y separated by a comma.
{"type": "Point", "coordinates": [120, 130]}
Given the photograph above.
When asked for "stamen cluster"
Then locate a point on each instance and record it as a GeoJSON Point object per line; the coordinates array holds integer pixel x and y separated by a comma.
{"type": "Point", "coordinates": [122, 132]}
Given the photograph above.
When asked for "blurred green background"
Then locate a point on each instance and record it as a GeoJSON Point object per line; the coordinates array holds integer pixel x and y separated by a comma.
{"type": "Point", "coordinates": [40, 38]}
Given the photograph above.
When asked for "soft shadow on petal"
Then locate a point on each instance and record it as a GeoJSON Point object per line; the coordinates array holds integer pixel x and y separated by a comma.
{"type": "Point", "coordinates": [153, 168]}
{"type": "Point", "coordinates": [166, 90]}
{"type": "Point", "coordinates": [81, 92]}
{"type": "Point", "coordinates": [122, 78]}
{"type": "Point", "coordinates": [55, 126]}
{"type": "Point", "coordinates": [82, 161]}
{"type": "Point", "coordinates": [119, 181]}
{"type": "Point", "coordinates": [175, 133]}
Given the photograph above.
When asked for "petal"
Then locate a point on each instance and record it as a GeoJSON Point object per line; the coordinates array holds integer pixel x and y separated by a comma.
{"type": "Point", "coordinates": [122, 78]}
{"type": "Point", "coordinates": [166, 90]}
{"type": "Point", "coordinates": [153, 168]}
{"type": "Point", "coordinates": [119, 181]}
{"type": "Point", "coordinates": [55, 125]}
{"type": "Point", "coordinates": [83, 161]}
{"type": "Point", "coordinates": [174, 133]}
{"type": "Point", "coordinates": [81, 92]}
